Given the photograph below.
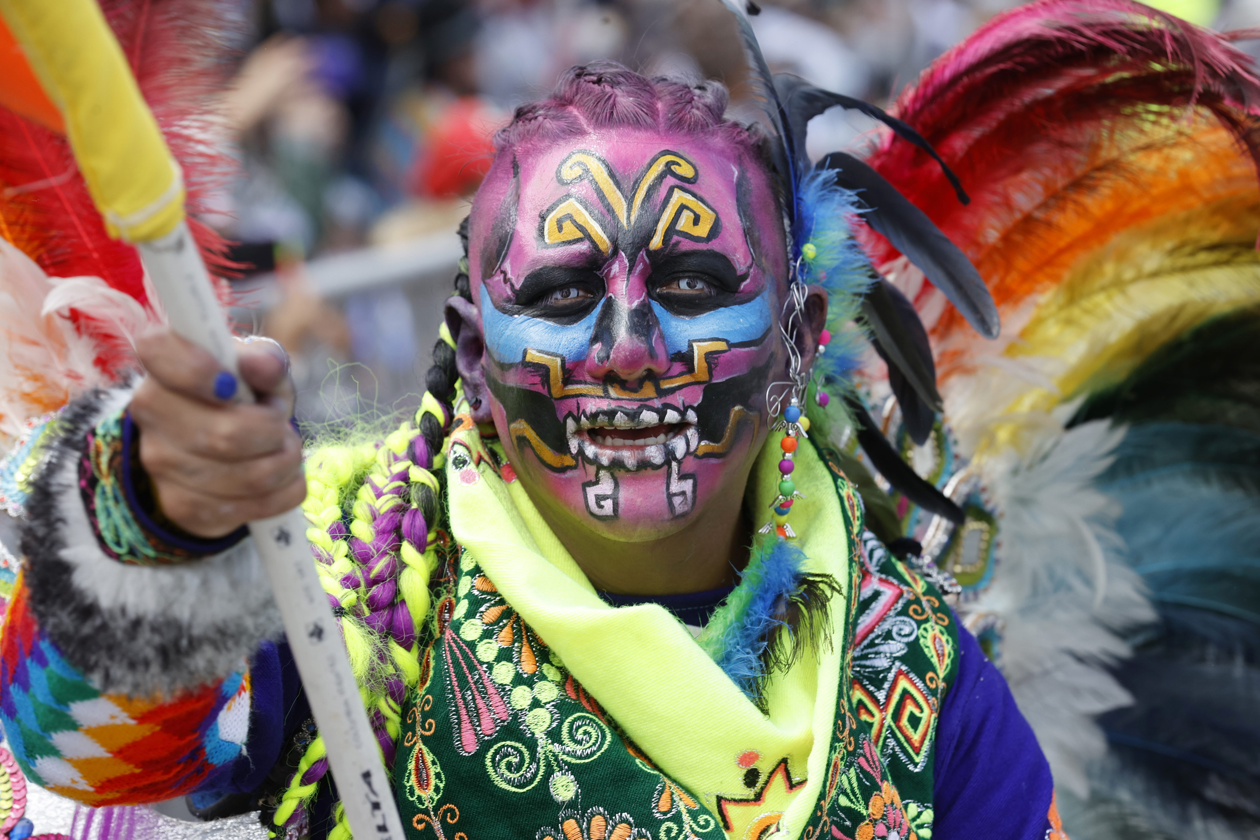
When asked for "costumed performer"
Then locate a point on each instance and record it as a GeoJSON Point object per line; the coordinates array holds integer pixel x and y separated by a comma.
{"type": "Point", "coordinates": [606, 584]}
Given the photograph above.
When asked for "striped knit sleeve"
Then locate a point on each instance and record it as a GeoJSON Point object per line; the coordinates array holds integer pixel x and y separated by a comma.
{"type": "Point", "coordinates": [104, 748]}
{"type": "Point", "coordinates": [134, 665]}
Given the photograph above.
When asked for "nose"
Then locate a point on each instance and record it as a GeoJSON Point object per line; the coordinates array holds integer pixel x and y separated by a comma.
{"type": "Point", "coordinates": [626, 342]}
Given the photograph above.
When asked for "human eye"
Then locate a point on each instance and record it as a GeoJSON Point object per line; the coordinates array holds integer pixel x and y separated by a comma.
{"type": "Point", "coordinates": [569, 296]}
{"type": "Point", "coordinates": [690, 285]}
{"type": "Point", "coordinates": [560, 293]}
{"type": "Point", "coordinates": [691, 282]}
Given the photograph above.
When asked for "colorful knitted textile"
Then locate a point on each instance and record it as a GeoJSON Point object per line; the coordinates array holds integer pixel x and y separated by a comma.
{"type": "Point", "coordinates": [118, 498]}
{"type": "Point", "coordinates": [109, 749]}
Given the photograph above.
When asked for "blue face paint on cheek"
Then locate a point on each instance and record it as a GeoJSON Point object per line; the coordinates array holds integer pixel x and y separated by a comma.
{"type": "Point", "coordinates": [509, 336]}
{"type": "Point", "coordinates": [736, 324]}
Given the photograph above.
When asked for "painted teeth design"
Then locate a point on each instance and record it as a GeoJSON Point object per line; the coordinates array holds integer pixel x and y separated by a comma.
{"type": "Point", "coordinates": [598, 446]}
{"type": "Point", "coordinates": [606, 440]}
{"type": "Point", "coordinates": [678, 446]}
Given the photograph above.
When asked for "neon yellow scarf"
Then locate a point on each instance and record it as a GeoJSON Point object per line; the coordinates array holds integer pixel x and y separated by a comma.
{"type": "Point", "coordinates": [642, 664]}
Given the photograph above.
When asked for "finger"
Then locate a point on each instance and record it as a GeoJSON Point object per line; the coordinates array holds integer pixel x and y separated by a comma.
{"type": "Point", "coordinates": [264, 366]}
{"type": "Point", "coordinates": [231, 433]}
{"type": "Point", "coordinates": [219, 481]}
{"type": "Point", "coordinates": [181, 366]}
{"type": "Point", "coordinates": [212, 519]}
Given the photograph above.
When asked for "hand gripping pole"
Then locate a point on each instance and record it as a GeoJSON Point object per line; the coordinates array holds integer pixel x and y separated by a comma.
{"type": "Point", "coordinates": [354, 756]}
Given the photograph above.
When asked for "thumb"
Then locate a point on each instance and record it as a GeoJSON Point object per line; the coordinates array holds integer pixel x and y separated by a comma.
{"type": "Point", "coordinates": [264, 367]}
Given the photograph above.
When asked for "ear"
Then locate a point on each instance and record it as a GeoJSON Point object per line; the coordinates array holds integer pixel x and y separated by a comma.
{"type": "Point", "coordinates": [464, 322]}
{"type": "Point", "coordinates": [811, 325]}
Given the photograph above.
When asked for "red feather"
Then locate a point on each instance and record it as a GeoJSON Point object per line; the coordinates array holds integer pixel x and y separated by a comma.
{"type": "Point", "coordinates": [1047, 104]}
{"type": "Point", "coordinates": [45, 208]}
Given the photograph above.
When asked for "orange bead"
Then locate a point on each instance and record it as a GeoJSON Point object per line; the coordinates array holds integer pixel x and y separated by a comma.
{"type": "Point", "coordinates": [788, 443]}
{"type": "Point", "coordinates": [781, 531]}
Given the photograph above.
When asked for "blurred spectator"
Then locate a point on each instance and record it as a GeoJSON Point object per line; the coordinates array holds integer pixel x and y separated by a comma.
{"type": "Point", "coordinates": [457, 151]}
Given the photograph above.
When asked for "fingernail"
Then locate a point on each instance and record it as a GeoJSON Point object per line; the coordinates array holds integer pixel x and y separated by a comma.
{"type": "Point", "coordinates": [225, 385]}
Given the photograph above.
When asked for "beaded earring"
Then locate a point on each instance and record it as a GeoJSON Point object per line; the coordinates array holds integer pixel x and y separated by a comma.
{"type": "Point", "coordinates": [795, 425]}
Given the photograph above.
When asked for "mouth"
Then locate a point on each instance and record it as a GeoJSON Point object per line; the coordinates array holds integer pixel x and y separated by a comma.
{"type": "Point", "coordinates": [633, 438]}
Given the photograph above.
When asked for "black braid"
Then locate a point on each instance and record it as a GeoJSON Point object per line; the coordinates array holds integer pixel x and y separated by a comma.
{"type": "Point", "coordinates": [442, 376]}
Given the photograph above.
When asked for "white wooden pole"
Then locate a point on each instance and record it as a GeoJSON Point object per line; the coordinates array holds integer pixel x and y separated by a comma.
{"type": "Point", "coordinates": [354, 756]}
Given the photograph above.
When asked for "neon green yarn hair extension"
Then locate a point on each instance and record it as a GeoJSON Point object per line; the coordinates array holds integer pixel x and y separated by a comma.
{"type": "Point", "coordinates": [374, 504]}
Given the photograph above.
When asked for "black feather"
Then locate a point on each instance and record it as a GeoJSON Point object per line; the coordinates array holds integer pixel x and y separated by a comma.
{"type": "Point", "coordinates": [782, 144]}
{"type": "Point", "coordinates": [1192, 727]}
{"type": "Point", "coordinates": [912, 233]}
{"type": "Point", "coordinates": [916, 415]}
{"type": "Point", "coordinates": [802, 102]}
{"type": "Point", "coordinates": [898, 473]}
{"type": "Point", "coordinates": [902, 342]}
{"type": "Point", "coordinates": [803, 623]}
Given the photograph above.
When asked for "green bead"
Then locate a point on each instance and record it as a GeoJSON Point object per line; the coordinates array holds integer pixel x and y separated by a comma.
{"type": "Point", "coordinates": [787, 487]}
{"type": "Point", "coordinates": [808, 251]}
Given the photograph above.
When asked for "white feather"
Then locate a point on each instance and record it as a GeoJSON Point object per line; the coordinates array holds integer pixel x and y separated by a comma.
{"type": "Point", "coordinates": [1061, 593]}
{"type": "Point", "coordinates": [44, 361]}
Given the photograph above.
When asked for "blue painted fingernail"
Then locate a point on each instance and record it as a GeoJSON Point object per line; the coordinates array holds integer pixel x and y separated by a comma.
{"type": "Point", "coordinates": [225, 385]}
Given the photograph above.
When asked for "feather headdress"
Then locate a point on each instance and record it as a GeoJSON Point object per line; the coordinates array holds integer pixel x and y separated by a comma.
{"type": "Point", "coordinates": [1106, 446]}
{"type": "Point", "coordinates": [827, 205]}
{"type": "Point", "coordinates": [73, 297]}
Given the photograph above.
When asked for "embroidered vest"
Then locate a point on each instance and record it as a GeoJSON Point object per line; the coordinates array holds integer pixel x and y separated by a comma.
{"type": "Point", "coordinates": [500, 741]}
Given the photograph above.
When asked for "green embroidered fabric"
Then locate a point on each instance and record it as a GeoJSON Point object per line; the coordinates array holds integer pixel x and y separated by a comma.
{"type": "Point", "coordinates": [499, 740]}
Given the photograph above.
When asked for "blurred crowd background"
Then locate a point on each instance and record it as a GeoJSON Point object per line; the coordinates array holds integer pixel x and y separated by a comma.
{"type": "Point", "coordinates": [361, 129]}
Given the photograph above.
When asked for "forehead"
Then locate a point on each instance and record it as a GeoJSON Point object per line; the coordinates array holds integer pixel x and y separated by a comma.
{"type": "Point", "coordinates": [597, 195]}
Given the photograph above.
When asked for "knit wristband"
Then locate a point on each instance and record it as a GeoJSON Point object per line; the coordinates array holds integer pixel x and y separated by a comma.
{"type": "Point", "coordinates": [122, 508]}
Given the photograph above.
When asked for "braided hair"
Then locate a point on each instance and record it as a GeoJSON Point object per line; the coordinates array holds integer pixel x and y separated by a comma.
{"type": "Point", "coordinates": [377, 550]}
{"type": "Point", "coordinates": [378, 545]}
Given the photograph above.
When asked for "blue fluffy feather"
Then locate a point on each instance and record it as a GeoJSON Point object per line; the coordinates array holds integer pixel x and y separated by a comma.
{"type": "Point", "coordinates": [1191, 496]}
{"type": "Point", "coordinates": [1191, 524]}
{"type": "Point", "coordinates": [739, 639]}
{"type": "Point", "coordinates": [825, 218]}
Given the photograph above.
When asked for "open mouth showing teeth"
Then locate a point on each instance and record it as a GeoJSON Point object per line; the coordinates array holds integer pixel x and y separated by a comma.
{"type": "Point", "coordinates": [641, 438]}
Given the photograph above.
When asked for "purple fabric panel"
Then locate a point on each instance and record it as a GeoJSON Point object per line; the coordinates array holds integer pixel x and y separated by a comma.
{"type": "Point", "coordinates": [130, 438]}
{"type": "Point", "coordinates": [992, 780]}
{"type": "Point", "coordinates": [277, 708]}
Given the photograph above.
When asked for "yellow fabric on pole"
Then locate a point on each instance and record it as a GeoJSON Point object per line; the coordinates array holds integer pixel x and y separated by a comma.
{"type": "Point", "coordinates": [131, 175]}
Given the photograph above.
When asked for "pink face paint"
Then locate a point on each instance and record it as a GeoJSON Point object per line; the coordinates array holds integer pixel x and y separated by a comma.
{"type": "Point", "coordinates": [629, 285]}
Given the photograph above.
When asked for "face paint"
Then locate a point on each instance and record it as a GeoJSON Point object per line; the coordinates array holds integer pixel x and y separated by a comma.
{"type": "Point", "coordinates": [630, 326]}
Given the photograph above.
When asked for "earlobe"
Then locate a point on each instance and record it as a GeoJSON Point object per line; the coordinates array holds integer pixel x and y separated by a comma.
{"type": "Point", "coordinates": [813, 322]}
{"type": "Point", "coordinates": [464, 323]}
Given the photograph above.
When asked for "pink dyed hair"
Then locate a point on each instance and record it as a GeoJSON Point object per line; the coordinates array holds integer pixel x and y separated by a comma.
{"type": "Point", "coordinates": [604, 94]}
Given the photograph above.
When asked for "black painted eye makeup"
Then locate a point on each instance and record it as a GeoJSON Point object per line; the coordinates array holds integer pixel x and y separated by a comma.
{"type": "Point", "coordinates": [564, 294]}
{"type": "Point", "coordinates": [692, 282]}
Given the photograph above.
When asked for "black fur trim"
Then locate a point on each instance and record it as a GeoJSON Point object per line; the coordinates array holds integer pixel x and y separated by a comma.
{"type": "Point", "coordinates": [117, 649]}
{"type": "Point", "coordinates": [804, 621]}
